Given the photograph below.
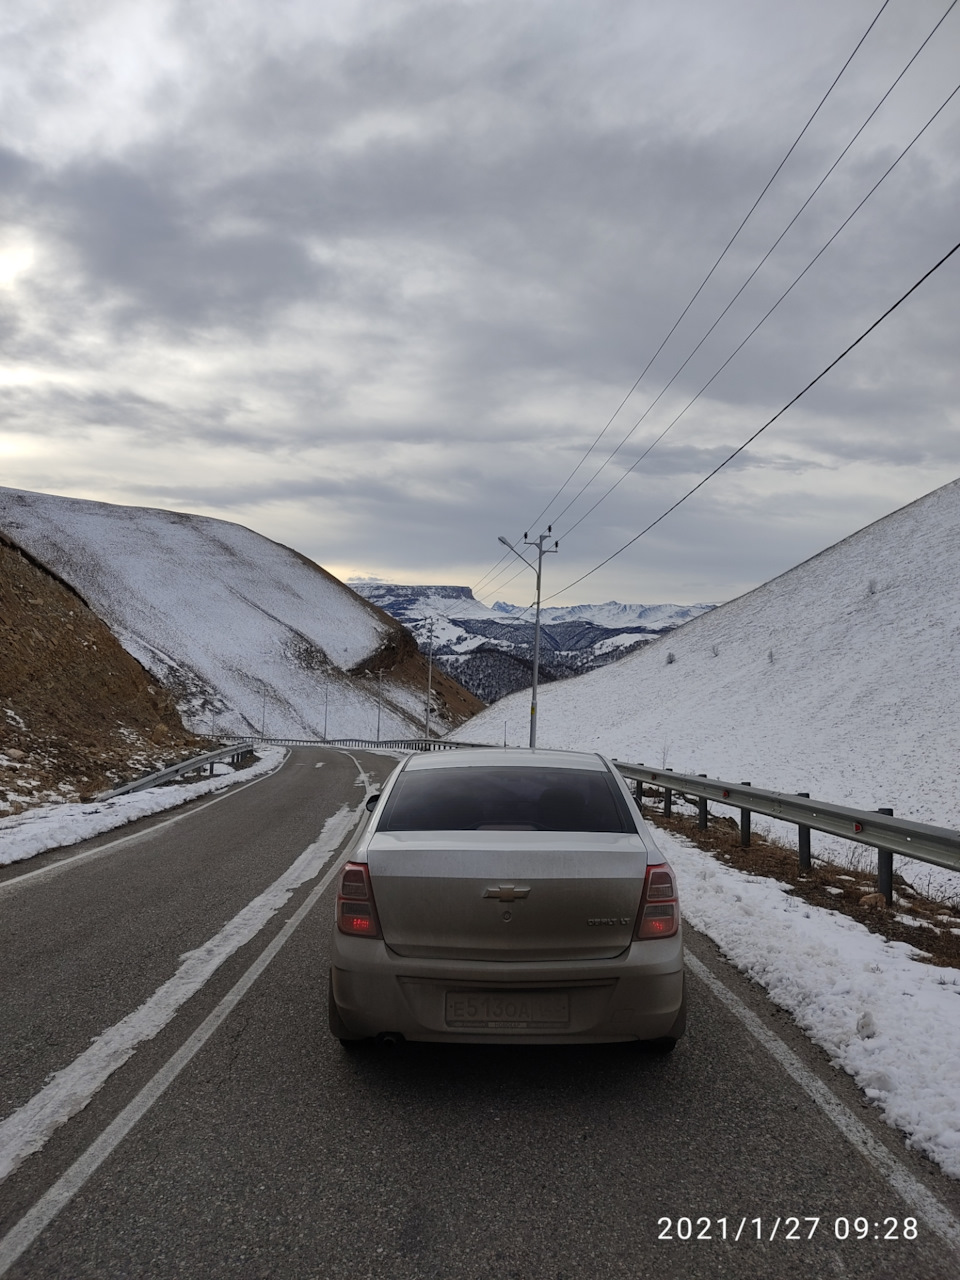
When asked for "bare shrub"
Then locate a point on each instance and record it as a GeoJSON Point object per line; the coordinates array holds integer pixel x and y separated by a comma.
{"type": "Point", "coordinates": [671, 658]}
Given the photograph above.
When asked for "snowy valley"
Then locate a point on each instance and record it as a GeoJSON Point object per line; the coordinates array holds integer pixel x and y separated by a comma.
{"type": "Point", "coordinates": [489, 650]}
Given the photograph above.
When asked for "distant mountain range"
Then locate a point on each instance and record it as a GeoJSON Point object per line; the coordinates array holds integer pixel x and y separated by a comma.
{"type": "Point", "coordinates": [490, 650]}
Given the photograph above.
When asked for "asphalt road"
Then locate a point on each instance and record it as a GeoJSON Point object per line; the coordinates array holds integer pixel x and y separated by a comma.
{"type": "Point", "coordinates": [274, 1153]}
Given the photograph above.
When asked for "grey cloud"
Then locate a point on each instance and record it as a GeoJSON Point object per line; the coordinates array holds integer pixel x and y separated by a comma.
{"type": "Point", "coordinates": [163, 257]}
{"type": "Point", "coordinates": [492, 270]}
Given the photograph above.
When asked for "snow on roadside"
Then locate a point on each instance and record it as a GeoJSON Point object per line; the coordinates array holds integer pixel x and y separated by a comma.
{"type": "Point", "coordinates": [888, 1020]}
{"type": "Point", "coordinates": [51, 826]}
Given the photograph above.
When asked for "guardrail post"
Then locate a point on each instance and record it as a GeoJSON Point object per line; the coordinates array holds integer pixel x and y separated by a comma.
{"type": "Point", "coordinates": [745, 824]}
{"type": "Point", "coordinates": [803, 839]}
{"type": "Point", "coordinates": [668, 799]}
{"type": "Point", "coordinates": [702, 814]}
{"type": "Point", "coordinates": [885, 868]}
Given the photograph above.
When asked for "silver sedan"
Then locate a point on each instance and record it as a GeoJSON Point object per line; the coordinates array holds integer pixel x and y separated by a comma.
{"type": "Point", "coordinates": [507, 896]}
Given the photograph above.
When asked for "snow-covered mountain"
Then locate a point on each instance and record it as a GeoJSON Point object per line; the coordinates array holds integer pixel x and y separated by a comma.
{"type": "Point", "coordinates": [490, 650]}
{"type": "Point", "coordinates": [248, 633]}
{"type": "Point", "coordinates": [613, 616]}
{"type": "Point", "coordinates": [841, 677]}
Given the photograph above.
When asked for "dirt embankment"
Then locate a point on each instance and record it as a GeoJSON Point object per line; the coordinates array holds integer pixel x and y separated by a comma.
{"type": "Point", "coordinates": [78, 714]}
{"type": "Point", "coordinates": [402, 663]}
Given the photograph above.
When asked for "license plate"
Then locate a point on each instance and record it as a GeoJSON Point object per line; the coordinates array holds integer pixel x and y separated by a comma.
{"type": "Point", "coordinates": [508, 1010]}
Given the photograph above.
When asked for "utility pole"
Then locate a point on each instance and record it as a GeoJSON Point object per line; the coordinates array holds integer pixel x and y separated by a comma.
{"type": "Point", "coordinates": [379, 700]}
{"type": "Point", "coordinates": [326, 704]}
{"type": "Point", "coordinates": [538, 570]}
{"type": "Point", "coordinates": [426, 717]}
{"type": "Point", "coordinates": [263, 715]}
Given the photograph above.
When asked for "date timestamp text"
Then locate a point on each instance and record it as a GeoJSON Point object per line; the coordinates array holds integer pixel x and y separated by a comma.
{"type": "Point", "coordinates": [786, 1228]}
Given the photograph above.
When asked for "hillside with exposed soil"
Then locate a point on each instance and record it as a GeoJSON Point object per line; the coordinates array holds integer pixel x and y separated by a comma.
{"type": "Point", "coordinates": [250, 636]}
{"type": "Point", "coordinates": [78, 714]}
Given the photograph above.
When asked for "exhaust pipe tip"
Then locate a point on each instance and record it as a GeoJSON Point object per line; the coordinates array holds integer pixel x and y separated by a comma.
{"type": "Point", "coordinates": [390, 1038]}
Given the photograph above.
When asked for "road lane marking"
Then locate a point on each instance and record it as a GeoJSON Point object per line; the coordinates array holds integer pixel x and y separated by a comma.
{"type": "Point", "coordinates": [20, 1237]}
{"type": "Point", "coordinates": [926, 1205]}
{"type": "Point", "coordinates": [70, 1089]}
{"type": "Point", "coordinates": [112, 845]}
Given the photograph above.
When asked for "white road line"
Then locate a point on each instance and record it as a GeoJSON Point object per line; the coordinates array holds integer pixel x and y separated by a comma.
{"type": "Point", "coordinates": [926, 1205]}
{"type": "Point", "coordinates": [364, 779]}
{"type": "Point", "coordinates": [70, 1089]}
{"type": "Point", "coordinates": [111, 846]}
{"type": "Point", "coordinates": [19, 1239]}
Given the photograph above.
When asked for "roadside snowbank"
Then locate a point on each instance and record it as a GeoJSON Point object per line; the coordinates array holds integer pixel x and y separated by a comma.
{"type": "Point", "coordinates": [888, 1020]}
{"type": "Point", "coordinates": [51, 826]}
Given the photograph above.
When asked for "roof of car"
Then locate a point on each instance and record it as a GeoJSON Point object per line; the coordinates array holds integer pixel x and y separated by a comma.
{"type": "Point", "coordinates": [509, 757]}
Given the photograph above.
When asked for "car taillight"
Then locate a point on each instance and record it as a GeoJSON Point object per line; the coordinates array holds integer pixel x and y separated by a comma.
{"type": "Point", "coordinates": [356, 913]}
{"type": "Point", "coordinates": [659, 910]}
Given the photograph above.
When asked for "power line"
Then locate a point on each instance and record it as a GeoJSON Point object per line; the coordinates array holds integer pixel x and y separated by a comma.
{"type": "Point", "coordinates": [703, 283]}
{"type": "Point", "coordinates": [512, 578]}
{"type": "Point", "coordinates": [483, 578]}
{"type": "Point", "coordinates": [751, 276]}
{"type": "Point", "coordinates": [723, 253]}
{"type": "Point", "coordinates": [770, 421]}
{"type": "Point", "coordinates": [764, 317]}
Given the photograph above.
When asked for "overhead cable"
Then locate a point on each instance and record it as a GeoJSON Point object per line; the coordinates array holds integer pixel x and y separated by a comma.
{"type": "Point", "coordinates": [703, 283]}
{"type": "Point", "coordinates": [723, 253]}
{"type": "Point", "coordinates": [752, 274]}
{"type": "Point", "coordinates": [623, 475]}
{"type": "Point", "coordinates": [770, 421]}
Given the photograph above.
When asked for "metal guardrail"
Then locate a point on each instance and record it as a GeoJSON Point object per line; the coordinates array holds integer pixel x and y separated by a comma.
{"type": "Point", "coordinates": [939, 846]}
{"type": "Point", "coordinates": [403, 744]}
{"type": "Point", "coordinates": [235, 752]}
{"type": "Point", "coordinates": [878, 829]}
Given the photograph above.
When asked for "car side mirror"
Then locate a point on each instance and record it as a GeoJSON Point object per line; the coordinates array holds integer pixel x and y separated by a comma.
{"type": "Point", "coordinates": [372, 801]}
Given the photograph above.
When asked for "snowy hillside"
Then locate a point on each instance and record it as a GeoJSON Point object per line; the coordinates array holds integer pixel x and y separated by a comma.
{"type": "Point", "coordinates": [840, 677]}
{"type": "Point", "coordinates": [490, 650]}
{"type": "Point", "coordinates": [245, 631]}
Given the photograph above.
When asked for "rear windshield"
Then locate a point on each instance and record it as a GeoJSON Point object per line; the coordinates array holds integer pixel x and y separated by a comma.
{"type": "Point", "coordinates": [513, 799]}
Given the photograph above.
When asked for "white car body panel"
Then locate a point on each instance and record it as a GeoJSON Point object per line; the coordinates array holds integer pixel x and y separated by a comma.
{"type": "Point", "coordinates": [523, 921]}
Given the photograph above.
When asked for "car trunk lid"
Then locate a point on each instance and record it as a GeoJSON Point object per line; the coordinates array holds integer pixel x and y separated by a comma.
{"type": "Point", "coordinates": [536, 895]}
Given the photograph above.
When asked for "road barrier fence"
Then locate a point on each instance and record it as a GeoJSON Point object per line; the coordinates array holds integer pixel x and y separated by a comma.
{"type": "Point", "coordinates": [235, 752]}
{"type": "Point", "coordinates": [879, 829]}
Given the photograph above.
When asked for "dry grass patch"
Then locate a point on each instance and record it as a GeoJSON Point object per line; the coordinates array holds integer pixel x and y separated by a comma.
{"type": "Point", "coordinates": [932, 926]}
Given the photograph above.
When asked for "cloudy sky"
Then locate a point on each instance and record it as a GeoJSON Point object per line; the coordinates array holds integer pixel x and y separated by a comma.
{"type": "Point", "coordinates": [370, 276]}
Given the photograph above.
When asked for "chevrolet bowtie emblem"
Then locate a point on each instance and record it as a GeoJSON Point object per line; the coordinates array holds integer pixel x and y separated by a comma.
{"type": "Point", "coordinates": [507, 892]}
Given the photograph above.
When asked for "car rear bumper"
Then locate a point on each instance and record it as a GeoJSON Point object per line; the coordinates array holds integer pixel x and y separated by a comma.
{"type": "Point", "coordinates": [634, 996]}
